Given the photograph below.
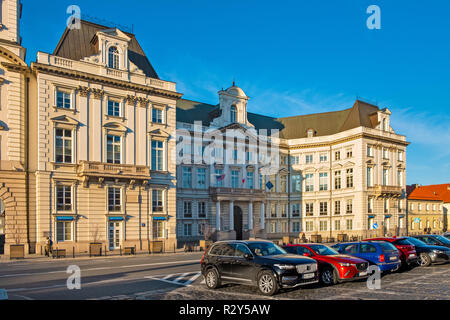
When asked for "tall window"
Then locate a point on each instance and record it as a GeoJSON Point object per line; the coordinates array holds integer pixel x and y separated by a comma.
{"type": "Point", "coordinates": [386, 205]}
{"type": "Point", "coordinates": [114, 200]}
{"type": "Point", "coordinates": [64, 198]}
{"type": "Point", "coordinates": [337, 180]}
{"type": "Point", "coordinates": [157, 115]}
{"type": "Point", "coordinates": [296, 183]}
{"type": "Point", "coordinates": [250, 180]}
{"type": "Point", "coordinates": [63, 146]}
{"type": "Point", "coordinates": [187, 209]}
{"type": "Point", "coordinates": [385, 177]}
{"type": "Point", "coordinates": [309, 209]}
{"type": "Point", "coordinates": [273, 210]}
{"type": "Point", "coordinates": [113, 58]}
{"type": "Point", "coordinates": [349, 224]}
{"type": "Point", "coordinates": [113, 152]}
{"type": "Point", "coordinates": [309, 184]}
{"type": "Point", "coordinates": [235, 179]}
{"type": "Point", "coordinates": [157, 201]}
{"type": "Point", "coordinates": [113, 108]}
{"type": "Point", "coordinates": [324, 208]}
{"type": "Point", "coordinates": [400, 156]}
{"type": "Point", "coordinates": [384, 125]}
{"type": "Point", "coordinates": [385, 153]}
{"type": "Point", "coordinates": [349, 206]}
{"type": "Point", "coordinates": [219, 178]}
{"type": "Point", "coordinates": [158, 229]}
{"type": "Point", "coordinates": [233, 115]}
{"type": "Point", "coordinates": [400, 178]}
{"type": "Point", "coordinates": [349, 178]}
{"type": "Point", "coordinates": [157, 155]}
{"type": "Point", "coordinates": [370, 205]}
{"type": "Point", "coordinates": [337, 207]}
{"type": "Point", "coordinates": [337, 225]}
{"type": "Point", "coordinates": [202, 209]}
{"type": "Point", "coordinates": [369, 151]}
{"type": "Point", "coordinates": [337, 155]}
{"type": "Point", "coordinates": [309, 226]}
{"type": "Point", "coordinates": [187, 230]}
{"type": "Point", "coordinates": [201, 178]}
{"type": "Point", "coordinates": [187, 177]}
{"type": "Point", "coordinates": [63, 100]}
{"type": "Point", "coordinates": [323, 226]}
{"type": "Point", "coordinates": [349, 153]}
{"type": "Point", "coordinates": [323, 158]}
{"type": "Point", "coordinates": [369, 176]}
{"type": "Point", "coordinates": [283, 183]}
{"type": "Point", "coordinates": [309, 158]}
{"type": "Point", "coordinates": [64, 231]}
{"type": "Point", "coordinates": [296, 210]}
{"type": "Point", "coordinates": [323, 180]}
{"type": "Point", "coordinates": [296, 226]}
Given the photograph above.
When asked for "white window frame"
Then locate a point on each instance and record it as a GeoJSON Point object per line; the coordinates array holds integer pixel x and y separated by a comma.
{"type": "Point", "coordinates": [72, 139]}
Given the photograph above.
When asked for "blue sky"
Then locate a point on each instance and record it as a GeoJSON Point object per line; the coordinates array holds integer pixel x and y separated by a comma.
{"type": "Point", "coordinates": [292, 57]}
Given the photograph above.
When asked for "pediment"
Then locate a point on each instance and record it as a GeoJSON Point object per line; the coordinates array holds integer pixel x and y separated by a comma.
{"type": "Point", "coordinates": [116, 33]}
{"type": "Point", "coordinates": [158, 133]}
{"type": "Point", "coordinates": [65, 120]}
{"type": "Point", "coordinates": [114, 126]}
{"type": "Point", "coordinates": [337, 166]}
{"type": "Point", "coordinates": [309, 169]}
{"type": "Point", "coordinates": [349, 164]}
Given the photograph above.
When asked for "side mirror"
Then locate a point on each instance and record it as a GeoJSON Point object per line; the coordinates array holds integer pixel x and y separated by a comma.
{"type": "Point", "coordinates": [248, 256]}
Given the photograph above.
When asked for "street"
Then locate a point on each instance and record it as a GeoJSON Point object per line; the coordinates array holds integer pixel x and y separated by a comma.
{"type": "Point", "coordinates": [177, 277]}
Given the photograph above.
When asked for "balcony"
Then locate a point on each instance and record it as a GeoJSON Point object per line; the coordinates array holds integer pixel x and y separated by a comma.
{"type": "Point", "coordinates": [231, 194]}
{"type": "Point", "coordinates": [386, 191]}
{"type": "Point", "coordinates": [118, 171]}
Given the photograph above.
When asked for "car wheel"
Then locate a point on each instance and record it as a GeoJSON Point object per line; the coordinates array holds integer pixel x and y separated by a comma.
{"type": "Point", "coordinates": [329, 276]}
{"type": "Point", "coordinates": [267, 283]}
{"type": "Point", "coordinates": [212, 279]}
{"type": "Point", "coordinates": [424, 260]}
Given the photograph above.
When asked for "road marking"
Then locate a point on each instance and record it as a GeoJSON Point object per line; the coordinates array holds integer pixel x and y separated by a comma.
{"type": "Point", "coordinates": [102, 268]}
{"type": "Point", "coordinates": [180, 279]}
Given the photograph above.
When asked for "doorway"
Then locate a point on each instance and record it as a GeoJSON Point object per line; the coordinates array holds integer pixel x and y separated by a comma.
{"type": "Point", "coordinates": [114, 235]}
{"type": "Point", "coordinates": [238, 222]}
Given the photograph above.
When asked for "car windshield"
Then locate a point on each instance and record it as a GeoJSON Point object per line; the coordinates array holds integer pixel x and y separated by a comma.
{"type": "Point", "coordinates": [264, 249]}
{"type": "Point", "coordinates": [443, 239]}
{"type": "Point", "coordinates": [323, 250]}
{"type": "Point", "coordinates": [416, 242]}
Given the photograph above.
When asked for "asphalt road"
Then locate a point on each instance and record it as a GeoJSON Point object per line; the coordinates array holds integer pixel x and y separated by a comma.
{"type": "Point", "coordinates": [177, 277]}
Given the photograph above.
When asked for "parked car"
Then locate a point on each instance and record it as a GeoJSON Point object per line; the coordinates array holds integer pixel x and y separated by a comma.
{"type": "Point", "coordinates": [259, 263]}
{"type": "Point", "coordinates": [333, 266]}
{"type": "Point", "coordinates": [434, 240]}
{"type": "Point", "coordinates": [380, 253]}
{"type": "Point", "coordinates": [446, 234]}
{"type": "Point", "coordinates": [408, 254]}
{"type": "Point", "coordinates": [429, 254]}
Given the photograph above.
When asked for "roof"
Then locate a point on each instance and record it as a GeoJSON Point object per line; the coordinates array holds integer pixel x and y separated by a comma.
{"type": "Point", "coordinates": [438, 192]}
{"type": "Point", "coordinates": [76, 45]}
{"type": "Point", "coordinates": [329, 123]}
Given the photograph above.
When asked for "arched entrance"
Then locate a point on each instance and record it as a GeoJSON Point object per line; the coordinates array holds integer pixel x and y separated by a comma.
{"type": "Point", "coordinates": [2, 227]}
{"type": "Point", "coordinates": [238, 222]}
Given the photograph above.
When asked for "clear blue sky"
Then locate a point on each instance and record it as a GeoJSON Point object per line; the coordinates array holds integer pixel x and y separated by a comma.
{"type": "Point", "coordinates": [293, 57]}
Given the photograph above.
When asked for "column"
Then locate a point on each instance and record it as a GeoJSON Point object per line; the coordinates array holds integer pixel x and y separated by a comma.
{"type": "Point", "coordinates": [218, 215]}
{"type": "Point", "coordinates": [231, 215]}
{"type": "Point", "coordinates": [250, 216]}
{"type": "Point", "coordinates": [262, 216]}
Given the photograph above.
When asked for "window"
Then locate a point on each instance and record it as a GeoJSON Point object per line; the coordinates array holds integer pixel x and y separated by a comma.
{"type": "Point", "coordinates": [323, 180]}
{"type": "Point", "coordinates": [369, 176]}
{"type": "Point", "coordinates": [309, 184]}
{"type": "Point", "coordinates": [337, 207]}
{"type": "Point", "coordinates": [337, 225]}
{"type": "Point", "coordinates": [283, 211]}
{"type": "Point", "coordinates": [114, 200]}
{"type": "Point", "coordinates": [202, 209]}
{"type": "Point", "coordinates": [63, 198]}
{"type": "Point", "coordinates": [383, 127]}
{"type": "Point", "coordinates": [400, 206]}
{"type": "Point", "coordinates": [64, 231]}
{"type": "Point", "coordinates": [113, 108]}
{"type": "Point", "coordinates": [349, 206]}
{"type": "Point", "coordinates": [219, 177]}
{"type": "Point", "coordinates": [295, 160]}
{"type": "Point", "coordinates": [63, 100]}
{"type": "Point", "coordinates": [187, 209]}
{"type": "Point", "coordinates": [428, 207]}
{"type": "Point", "coordinates": [273, 210]}
{"type": "Point", "coordinates": [113, 58]}
{"type": "Point", "coordinates": [349, 153]}
{"type": "Point", "coordinates": [371, 222]}
{"type": "Point", "coordinates": [261, 182]}
{"type": "Point", "coordinates": [157, 201]}
{"type": "Point", "coordinates": [369, 151]}
{"type": "Point", "coordinates": [419, 207]}
{"type": "Point", "coordinates": [370, 205]}
{"type": "Point", "coordinates": [337, 156]}
{"type": "Point", "coordinates": [296, 183]}
{"type": "Point", "coordinates": [273, 227]}
{"type": "Point", "coordinates": [201, 178]}
{"type": "Point", "coordinates": [309, 158]}
{"type": "Point", "coordinates": [310, 133]}
{"type": "Point", "coordinates": [187, 177]}
{"type": "Point", "coordinates": [157, 115]}
{"type": "Point", "coordinates": [324, 208]}
{"type": "Point", "coordinates": [283, 183]}
{"type": "Point", "coordinates": [63, 146]}
{"type": "Point", "coordinates": [157, 155]}
{"type": "Point", "coordinates": [249, 157]}
{"type": "Point", "coordinates": [400, 178]}
{"type": "Point", "coordinates": [367, 248]}
{"type": "Point", "coordinates": [385, 153]}
{"type": "Point", "coordinates": [233, 115]}
{"type": "Point", "coordinates": [434, 207]}
{"type": "Point", "coordinates": [235, 179]}
{"type": "Point", "coordinates": [250, 180]}
{"type": "Point", "coordinates": [385, 177]}
{"type": "Point", "coordinates": [337, 180]}
{"type": "Point", "coordinates": [323, 226]}
{"type": "Point", "coordinates": [309, 209]}
{"type": "Point", "coordinates": [113, 152]}
{"type": "Point", "coordinates": [323, 158]}
{"type": "Point", "coordinates": [187, 230]}
{"type": "Point", "coordinates": [158, 229]}
{"type": "Point", "coordinates": [386, 205]}
{"type": "Point", "coordinates": [309, 226]}
{"type": "Point", "coordinates": [296, 226]}
{"type": "Point", "coordinates": [349, 178]}
{"type": "Point", "coordinates": [296, 210]}
{"type": "Point", "coordinates": [349, 224]}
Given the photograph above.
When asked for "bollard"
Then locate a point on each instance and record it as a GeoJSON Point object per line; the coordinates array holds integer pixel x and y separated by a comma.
{"type": "Point", "coordinates": [134, 250]}
{"type": "Point", "coordinates": [120, 248]}
{"type": "Point", "coordinates": [73, 252]}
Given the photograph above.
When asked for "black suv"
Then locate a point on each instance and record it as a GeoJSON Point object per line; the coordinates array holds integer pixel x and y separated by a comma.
{"type": "Point", "coordinates": [260, 263]}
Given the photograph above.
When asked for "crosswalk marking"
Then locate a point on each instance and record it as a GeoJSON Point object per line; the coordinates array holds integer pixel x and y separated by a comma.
{"type": "Point", "coordinates": [181, 279]}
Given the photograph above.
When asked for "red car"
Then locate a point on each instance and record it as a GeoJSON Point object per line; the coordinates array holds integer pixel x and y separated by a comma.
{"type": "Point", "coordinates": [333, 266]}
{"type": "Point", "coordinates": [408, 254]}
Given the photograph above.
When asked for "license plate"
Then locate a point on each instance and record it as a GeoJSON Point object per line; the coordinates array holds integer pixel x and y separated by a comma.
{"type": "Point", "coordinates": [362, 274]}
{"type": "Point", "coordinates": [412, 255]}
{"type": "Point", "coordinates": [309, 276]}
{"type": "Point", "coordinates": [393, 258]}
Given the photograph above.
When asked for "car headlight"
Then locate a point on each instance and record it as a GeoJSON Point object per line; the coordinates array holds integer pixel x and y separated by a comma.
{"type": "Point", "coordinates": [345, 264]}
{"type": "Point", "coordinates": [285, 266]}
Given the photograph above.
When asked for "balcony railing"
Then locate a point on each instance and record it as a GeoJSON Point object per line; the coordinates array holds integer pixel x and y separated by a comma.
{"type": "Point", "coordinates": [98, 169]}
{"type": "Point", "coordinates": [393, 191]}
{"type": "Point", "coordinates": [236, 194]}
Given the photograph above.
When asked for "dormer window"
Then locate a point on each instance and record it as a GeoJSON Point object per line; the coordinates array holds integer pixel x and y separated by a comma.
{"type": "Point", "coordinates": [310, 133]}
{"type": "Point", "coordinates": [113, 61]}
{"type": "Point", "coordinates": [384, 125]}
{"type": "Point", "coordinates": [233, 114]}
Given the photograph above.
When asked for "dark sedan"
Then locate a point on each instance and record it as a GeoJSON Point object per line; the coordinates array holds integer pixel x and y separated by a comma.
{"type": "Point", "coordinates": [429, 254]}
{"type": "Point", "coordinates": [434, 240]}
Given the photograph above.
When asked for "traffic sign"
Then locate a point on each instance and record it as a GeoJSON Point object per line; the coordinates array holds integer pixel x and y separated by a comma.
{"type": "Point", "coordinates": [417, 220]}
{"type": "Point", "coordinates": [375, 226]}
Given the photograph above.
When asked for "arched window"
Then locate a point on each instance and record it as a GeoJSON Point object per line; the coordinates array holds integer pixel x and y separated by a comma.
{"type": "Point", "coordinates": [233, 114]}
{"type": "Point", "coordinates": [113, 61]}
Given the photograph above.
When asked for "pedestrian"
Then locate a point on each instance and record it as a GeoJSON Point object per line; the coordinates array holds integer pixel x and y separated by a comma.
{"type": "Point", "coordinates": [49, 245]}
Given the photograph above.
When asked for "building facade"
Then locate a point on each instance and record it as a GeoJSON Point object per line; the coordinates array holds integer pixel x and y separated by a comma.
{"type": "Point", "coordinates": [428, 208]}
{"type": "Point", "coordinates": [105, 127]}
{"type": "Point", "coordinates": [338, 173]}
